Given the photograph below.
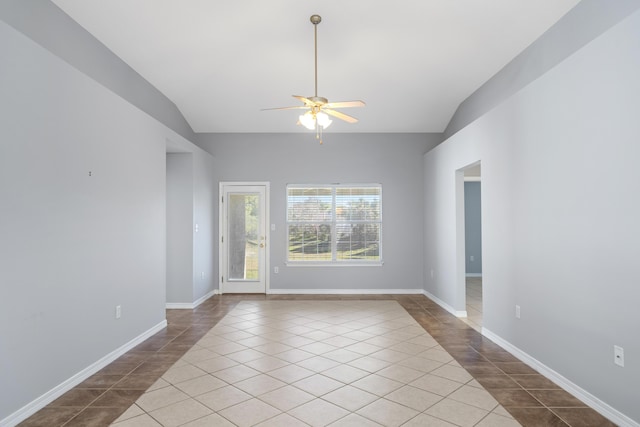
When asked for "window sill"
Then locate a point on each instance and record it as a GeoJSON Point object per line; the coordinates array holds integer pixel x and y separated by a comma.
{"type": "Point", "coordinates": [333, 264]}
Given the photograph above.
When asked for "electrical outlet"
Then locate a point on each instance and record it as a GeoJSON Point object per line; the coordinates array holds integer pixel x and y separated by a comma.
{"type": "Point", "coordinates": [276, 269]}
{"type": "Point", "coordinates": [517, 311]}
{"type": "Point", "coordinates": [118, 311]}
{"type": "Point", "coordinates": [618, 355]}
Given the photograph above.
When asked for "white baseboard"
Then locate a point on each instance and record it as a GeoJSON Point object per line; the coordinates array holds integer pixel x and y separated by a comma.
{"type": "Point", "coordinates": [473, 275]}
{"type": "Point", "coordinates": [42, 401]}
{"type": "Point", "coordinates": [457, 313]}
{"type": "Point", "coordinates": [603, 408]}
{"type": "Point", "coordinates": [344, 291]}
{"type": "Point", "coordinates": [190, 305]}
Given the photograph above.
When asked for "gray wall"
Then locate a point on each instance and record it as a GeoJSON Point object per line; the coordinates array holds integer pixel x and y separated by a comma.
{"type": "Point", "coordinates": [73, 246]}
{"type": "Point", "coordinates": [472, 228]}
{"type": "Point", "coordinates": [587, 20]}
{"type": "Point", "coordinates": [53, 29]}
{"type": "Point", "coordinates": [560, 209]}
{"type": "Point", "coordinates": [394, 160]}
{"type": "Point", "coordinates": [179, 227]}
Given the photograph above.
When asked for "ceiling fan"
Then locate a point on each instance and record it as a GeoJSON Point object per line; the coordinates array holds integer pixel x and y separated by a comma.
{"type": "Point", "coordinates": [319, 108]}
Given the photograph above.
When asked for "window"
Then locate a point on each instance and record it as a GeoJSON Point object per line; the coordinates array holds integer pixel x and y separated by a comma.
{"type": "Point", "coordinates": [334, 224]}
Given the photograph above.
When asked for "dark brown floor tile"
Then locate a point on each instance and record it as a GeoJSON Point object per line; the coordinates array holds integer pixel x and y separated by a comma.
{"type": "Point", "coordinates": [556, 398]}
{"type": "Point", "coordinates": [165, 357]}
{"type": "Point", "coordinates": [515, 398]}
{"type": "Point", "coordinates": [500, 356]}
{"type": "Point", "coordinates": [497, 382]}
{"type": "Point", "coordinates": [135, 356]}
{"type": "Point", "coordinates": [534, 382]}
{"type": "Point", "coordinates": [100, 381]}
{"type": "Point", "coordinates": [117, 398]}
{"type": "Point", "coordinates": [515, 368]}
{"type": "Point", "coordinates": [148, 368]}
{"type": "Point", "coordinates": [536, 417]}
{"type": "Point", "coordinates": [48, 417]}
{"type": "Point", "coordinates": [78, 397]}
{"type": "Point", "coordinates": [95, 417]}
{"type": "Point", "coordinates": [481, 368]}
{"type": "Point", "coordinates": [136, 382]}
{"type": "Point", "coordinates": [118, 368]}
{"type": "Point", "coordinates": [582, 417]}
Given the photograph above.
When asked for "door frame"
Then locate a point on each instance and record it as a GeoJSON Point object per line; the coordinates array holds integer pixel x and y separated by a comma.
{"type": "Point", "coordinates": [223, 186]}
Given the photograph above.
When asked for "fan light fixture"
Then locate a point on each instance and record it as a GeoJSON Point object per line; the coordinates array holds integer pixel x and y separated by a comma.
{"type": "Point", "coordinates": [318, 108]}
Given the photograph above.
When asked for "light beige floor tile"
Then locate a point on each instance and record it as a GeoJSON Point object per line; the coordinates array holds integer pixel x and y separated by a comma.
{"type": "Point", "coordinates": [400, 373]}
{"type": "Point", "coordinates": [177, 375]}
{"type": "Point", "coordinates": [369, 364]}
{"type": "Point", "coordinates": [409, 348]}
{"type": "Point", "coordinates": [475, 397]}
{"type": "Point", "coordinates": [364, 348]}
{"type": "Point", "coordinates": [354, 420]}
{"type": "Point", "coordinates": [345, 373]}
{"type": "Point", "coordinates": [357, 334]}
{"type": "Point", "coordinates": [286, 398]}
{"type": "Point", "coordinates": [199, 354]}
{"type": "Point", "coordinates": [267, 363]}
{"type": "Point", "coordinates": [438, 355]}
{"type": "Point", "coordinates": [377, 385]}
{"type": "Point", "coordinates": [421, 364]}
{"type": "Point", "coordinates": [493, 420]}
{"type": "Point", "coordinates": [159, 398]}
{"type": "Point", "coordinates": [158, 385]}
{"type": "Point", "coordinates": [318, 348]}
{"type": "Point", "coordinates": [457, 413]}
{"type": "Point", "coordinates": [223, 398]}
{"type": "Point", "coordinates": [259, 384]}
{"type": "Point", "coordinates": [143, 420]}
{"type": "Point", "coordinates": [389, 355]}
{"type": "Point", "coordinates": [453, 373]}
{"type": "Point", "coordinates": [424, 420]}
{"type": "Point", "coordinates": [318, 384]}
{"type": "Point", "coordinates": [318, 413]}
{"type": "Point", "coordinates": [297, 341]}
{"type": "Point", "coordinates": [342, 355]}
{"type": "Point", "coordinates": [215, 364]}
{"type": "Point", "coordinates": [294, 355]}
{"type": "Point", "coordinates": [133, 411]}
{"type": "Point", "coordinates": [227, 348]}
{"type": "Point", "coordinates": [414, 398]}
{"type": "Point", "coordinates": [200, 385]}
{"type": "Point", "coordinates": [291, 373]}
{"type": "Point", "coordinates": [282, 420]}
{"type": "Point", "coordinates": [318, 364]}
{"type": "Point", "coordinates": [254, 341]}
{"type": "Point", "coordinates": [236, 373]}
{"type": "Point", "coordinates": [350, 398]}
{"type": "Point", "coordinates": [180, 413]}
{"type": "Point", "coordinates": [502, 412]}
{"type": "Point", "coordinates": [387, 413]}
{"type": "Point", "coordinates": [435, 384]}
{"type": "Point", "coordinates": [249, 413]}
{"type": "Point", "coordinates": [245, 355]}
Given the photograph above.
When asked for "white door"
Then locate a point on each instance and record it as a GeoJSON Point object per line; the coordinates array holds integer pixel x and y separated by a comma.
{"type": "Point", "coordinates": [243, 238]}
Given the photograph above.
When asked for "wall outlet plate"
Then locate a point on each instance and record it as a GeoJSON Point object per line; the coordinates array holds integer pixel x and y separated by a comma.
{"type": "Point", "coordinates": [618, 355]}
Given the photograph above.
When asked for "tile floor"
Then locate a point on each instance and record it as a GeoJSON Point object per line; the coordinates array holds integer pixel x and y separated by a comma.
{"type": "Point", "coordinates": [474, 303]}
{"type": "Point", "coordinates": [316, 361]}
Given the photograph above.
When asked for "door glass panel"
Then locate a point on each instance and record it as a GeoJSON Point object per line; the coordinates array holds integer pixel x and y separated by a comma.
{"type": "Point", "coordinates": [243, 219]}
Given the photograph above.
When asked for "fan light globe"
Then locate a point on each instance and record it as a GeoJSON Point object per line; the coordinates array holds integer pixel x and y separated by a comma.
{"type": "Point", "coordinates": [323, 120]}
{"type": "Point", "coordinates": [307, 120]}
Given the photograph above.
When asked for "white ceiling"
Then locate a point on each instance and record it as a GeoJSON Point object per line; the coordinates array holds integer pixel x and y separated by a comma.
{"type": "Point", "coordinates": [412, 61]}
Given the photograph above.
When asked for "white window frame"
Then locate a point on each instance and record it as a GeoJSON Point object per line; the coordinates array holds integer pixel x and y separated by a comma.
{"type": "Point", "coordinates": [334, 262]}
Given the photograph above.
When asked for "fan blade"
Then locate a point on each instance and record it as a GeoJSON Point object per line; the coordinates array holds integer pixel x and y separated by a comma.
{"type": "Point", "coordinates": [307, 101]}
{"type": "Point", "coordinates": [299, 107]}
{"type": "Point", "coordinates": [345, 104]}
{"type": "Point", "coordinates": [340, 116]}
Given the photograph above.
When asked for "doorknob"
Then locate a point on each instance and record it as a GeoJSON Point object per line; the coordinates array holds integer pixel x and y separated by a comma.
{"type": "Point", "coordinates": [262, 245]}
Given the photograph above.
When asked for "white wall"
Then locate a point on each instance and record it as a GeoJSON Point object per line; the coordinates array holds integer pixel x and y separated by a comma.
{"type": "Point", "coordinates": [73, 246]}
{"type": "Point", "coordinates": [560, 211]}
{"type": "Point", "coordinates": [393, 160]}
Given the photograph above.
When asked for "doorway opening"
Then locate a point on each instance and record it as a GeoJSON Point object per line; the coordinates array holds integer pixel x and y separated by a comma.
{"type": "Point", "coordinates": [473, 289]}
{"type": "Point", "coordinates": [244, 237]}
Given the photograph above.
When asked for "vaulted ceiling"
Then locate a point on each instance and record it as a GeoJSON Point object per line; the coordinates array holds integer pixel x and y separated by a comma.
{"type": "Point", "coordinates": [412, 61]}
